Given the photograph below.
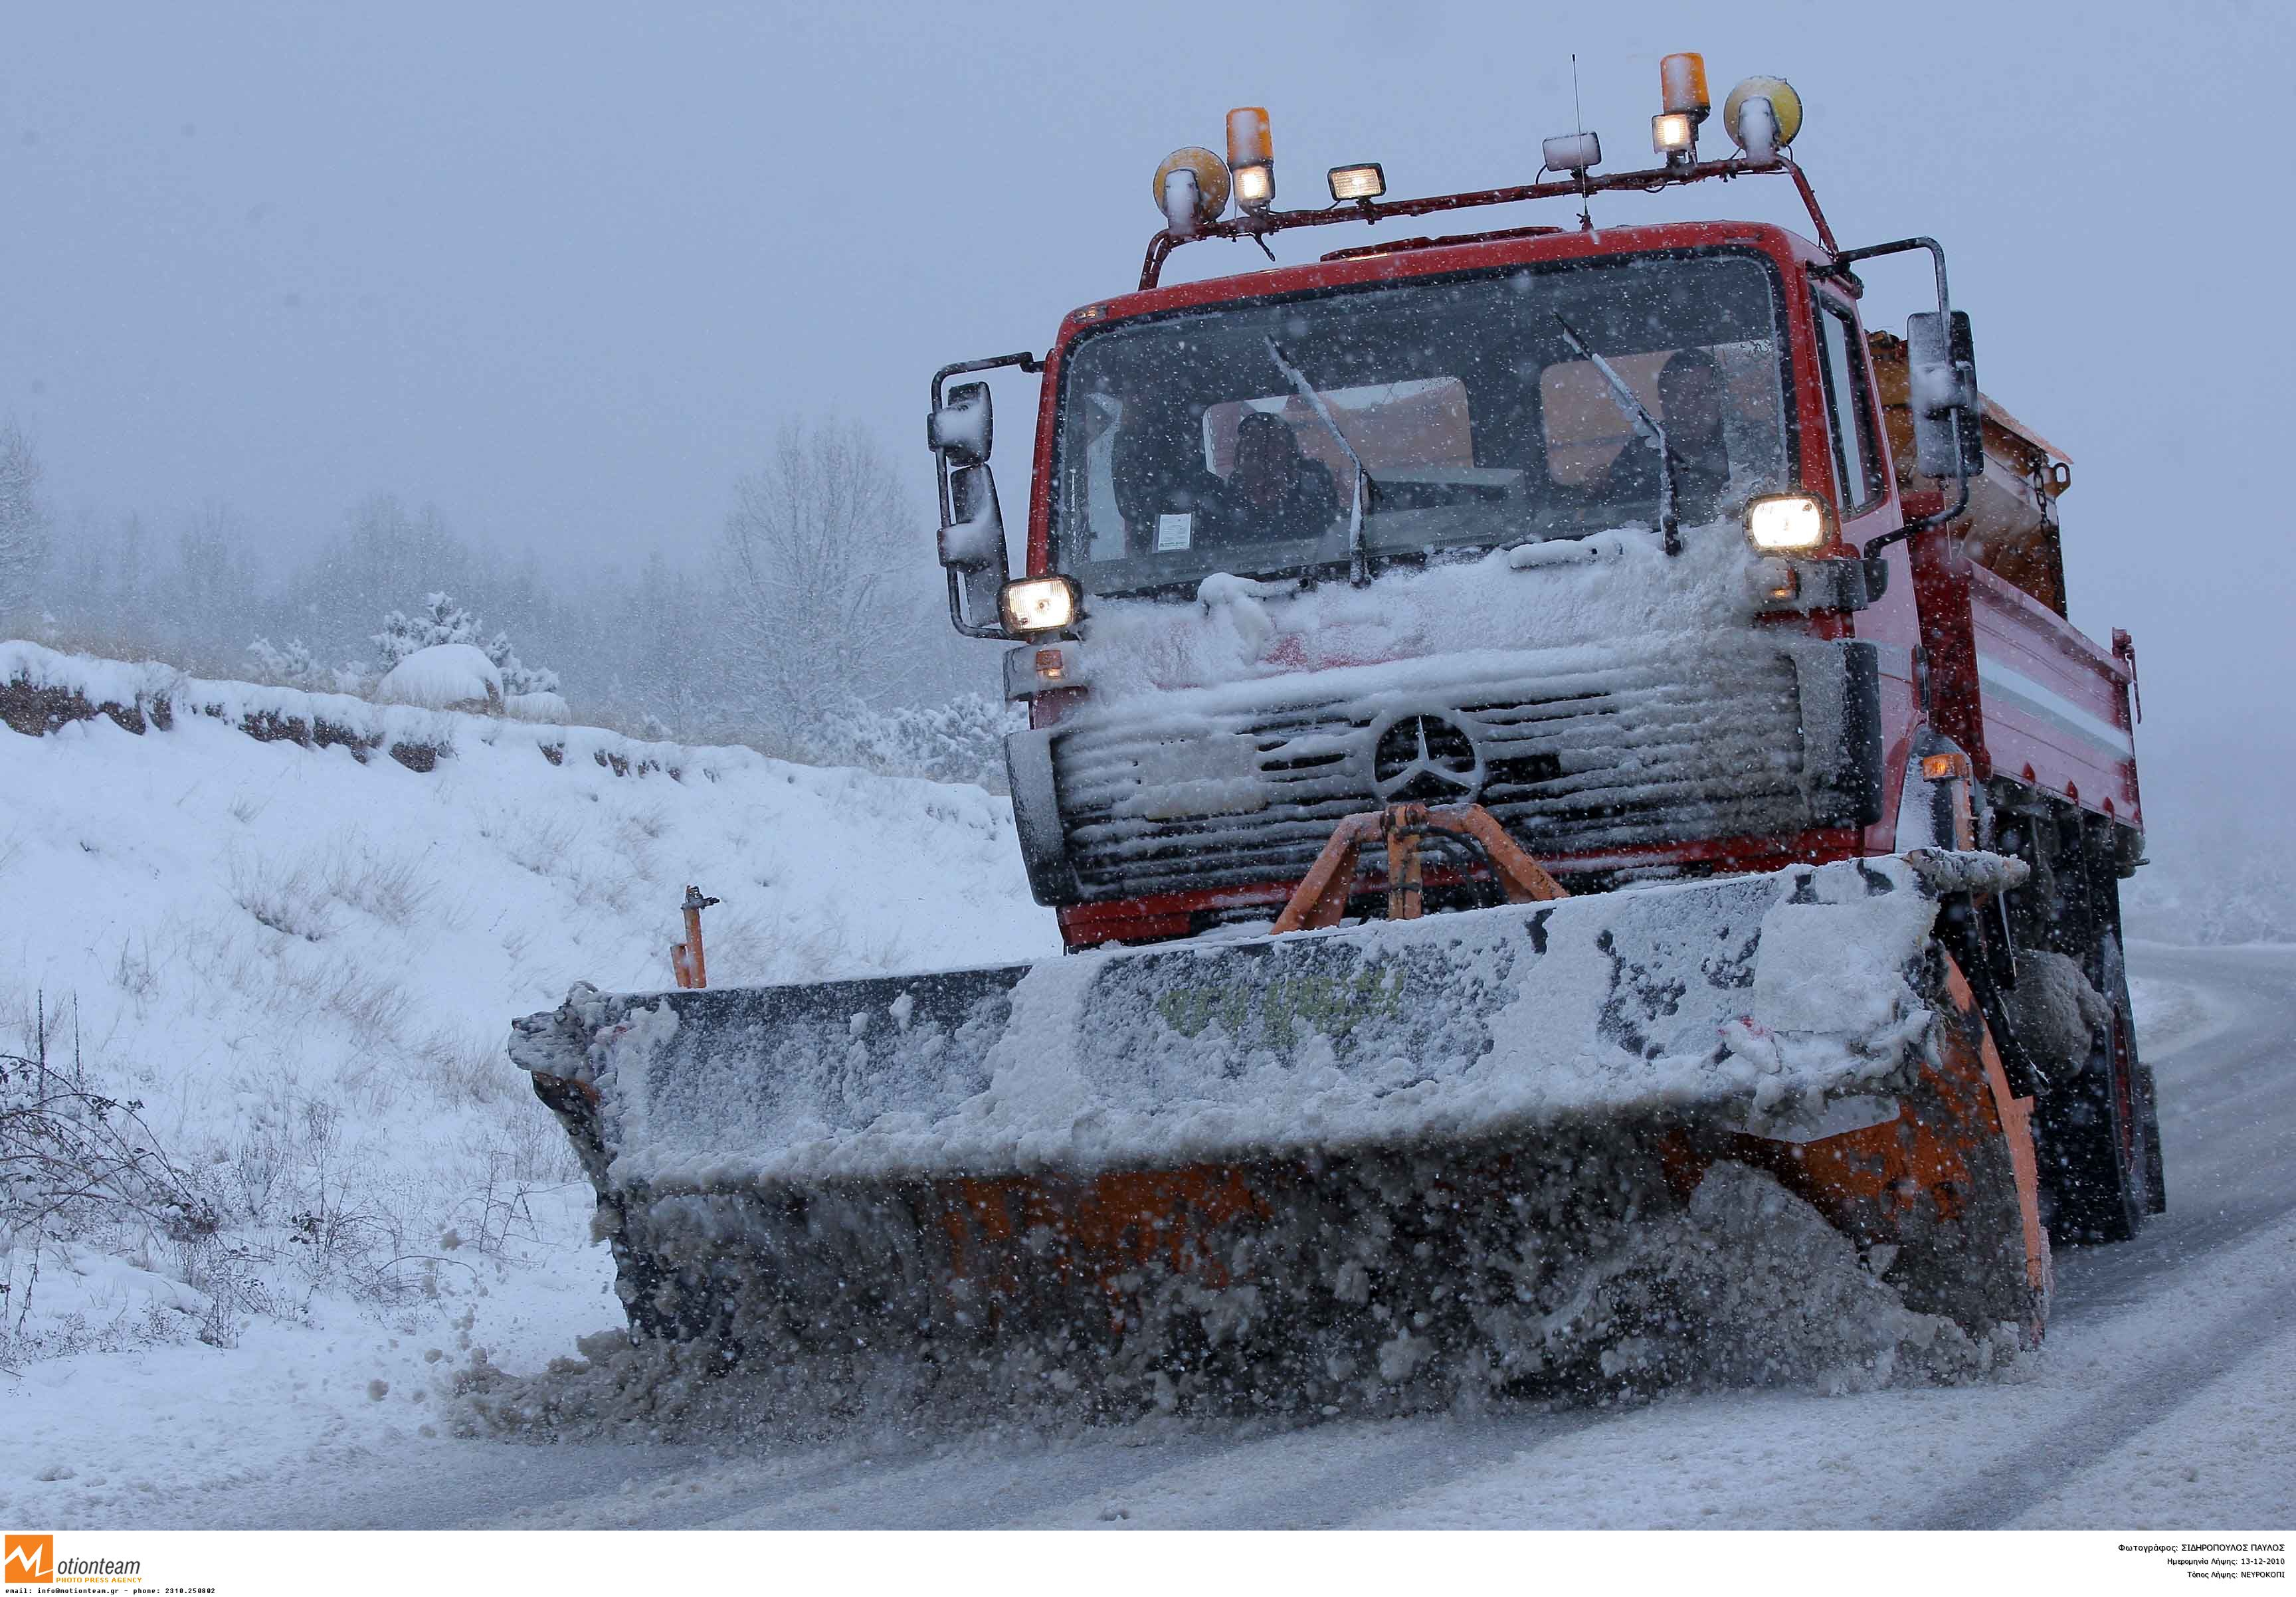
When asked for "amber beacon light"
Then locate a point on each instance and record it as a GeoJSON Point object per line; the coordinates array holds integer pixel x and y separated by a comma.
{"type": "Point", "coordinates": [1252, 159]}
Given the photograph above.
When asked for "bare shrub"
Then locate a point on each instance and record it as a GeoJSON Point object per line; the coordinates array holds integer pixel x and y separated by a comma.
{"type": "Point", "coordinates": [613, 891]}
{"type": "Point", "coordinates": [465, 1070]}
{"type": "Point", "coordinates": [133, 973]}
{"type": "Point", "coordinates": [535, 843]}
{"type": "Point", "coordinates": [390, 890]}
{"type": "Point", "coordinates": [75, 1163]}
{"type": "Point", "coordinates": [230, 1277]}
{"type": "Point", "coordinates": [286, 898]}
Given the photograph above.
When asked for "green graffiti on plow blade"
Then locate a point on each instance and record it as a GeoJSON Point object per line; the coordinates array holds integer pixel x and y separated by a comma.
{"type": "Point", "coordinates": [1333, 1005]}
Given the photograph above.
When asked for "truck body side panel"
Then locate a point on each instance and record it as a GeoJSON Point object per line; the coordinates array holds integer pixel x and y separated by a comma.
{"type": "Point", "coordinates": [2055, 705]}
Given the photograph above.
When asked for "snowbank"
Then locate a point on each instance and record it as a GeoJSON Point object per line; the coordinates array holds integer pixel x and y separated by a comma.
{"type": "Point", "coordinates": [42, 690]}
{"type": "Point", "coordinates": [301, 960]}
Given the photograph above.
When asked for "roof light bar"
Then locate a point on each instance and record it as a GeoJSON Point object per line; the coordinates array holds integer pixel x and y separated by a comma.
{"type": "Point", "coordinates": [1762, 114]}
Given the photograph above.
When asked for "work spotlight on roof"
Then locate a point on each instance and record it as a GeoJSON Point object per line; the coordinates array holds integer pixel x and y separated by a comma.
{"type": "Point", "coordinates": [1572, 152]}
{"type": "Point", "coordinates": [1364, 181]}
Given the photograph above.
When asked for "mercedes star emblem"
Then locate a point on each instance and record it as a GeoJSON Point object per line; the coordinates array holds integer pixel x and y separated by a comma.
{"type": "Point", "coordinates": [1427, 760]}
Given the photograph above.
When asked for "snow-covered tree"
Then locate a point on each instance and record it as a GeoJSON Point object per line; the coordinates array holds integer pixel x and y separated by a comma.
{"type": "Point", "coordinates": [442, 620]}
{"type": "Point", "coordinates": [294, 666]}
{"type": "Point", "coordinates": [673, 670]}
{"type": "Point", "coordinates": [961, 739]}
{"type": "Point", "coordinates": [815, 561]}
{"type": "Point", "coordinates": [23, 517]}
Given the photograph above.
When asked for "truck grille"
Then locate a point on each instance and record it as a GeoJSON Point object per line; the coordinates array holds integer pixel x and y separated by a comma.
{"type": "Point", "coordinates": [1207, 788]}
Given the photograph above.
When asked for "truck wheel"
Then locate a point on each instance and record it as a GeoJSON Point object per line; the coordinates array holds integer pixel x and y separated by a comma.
{"type": "Point", "coordinates": [2099, 1156]}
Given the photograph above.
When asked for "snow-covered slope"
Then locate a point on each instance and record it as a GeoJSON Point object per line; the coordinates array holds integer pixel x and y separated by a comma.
{"type": "Point", "coordinates": [301, 961]}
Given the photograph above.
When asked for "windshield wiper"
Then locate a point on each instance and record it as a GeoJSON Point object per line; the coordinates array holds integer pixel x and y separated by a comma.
{"type": "Point", "coordinates": [1646, 426]}
{"type": "Point", "coordinates": [1358, 556]}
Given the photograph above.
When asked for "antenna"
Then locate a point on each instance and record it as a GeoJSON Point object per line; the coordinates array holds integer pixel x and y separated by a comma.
{"type": "Point", "coordinates": [1586, 191]}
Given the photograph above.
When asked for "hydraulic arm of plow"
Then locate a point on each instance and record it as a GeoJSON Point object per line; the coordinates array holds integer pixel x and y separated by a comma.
{"type": "Point", "coordinates": [1321, 898]}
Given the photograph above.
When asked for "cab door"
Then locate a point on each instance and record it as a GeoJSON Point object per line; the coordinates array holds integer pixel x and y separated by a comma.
{"type": "Point", "coordinates": [1855, 449]}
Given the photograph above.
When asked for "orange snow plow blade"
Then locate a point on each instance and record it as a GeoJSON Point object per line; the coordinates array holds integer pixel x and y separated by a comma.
{"type": "Point", "coordinates": [1387, 1163]}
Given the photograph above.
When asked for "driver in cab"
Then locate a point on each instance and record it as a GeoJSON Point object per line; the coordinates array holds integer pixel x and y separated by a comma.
{"type": "Point", "coordinates": [1691, 398]}
{"type": "Point", "coordinates": [1275, 491]}
{"type": "Point", "coordinates": [1170, 501]}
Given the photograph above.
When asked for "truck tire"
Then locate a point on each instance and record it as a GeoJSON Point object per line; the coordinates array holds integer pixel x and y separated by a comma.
{"type": "Point", "coordinates": [2098, 1146]}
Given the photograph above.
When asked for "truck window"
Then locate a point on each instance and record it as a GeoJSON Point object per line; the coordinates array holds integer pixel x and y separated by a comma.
{"type": "Point", "coordinates": [1585, 435]}
{"type": "Point", "coordinates": [1850, 413]}
{"type": "Point", "coordinates": [1183, 448]}
{"type": "Point", "coordinates": [1392, 426]}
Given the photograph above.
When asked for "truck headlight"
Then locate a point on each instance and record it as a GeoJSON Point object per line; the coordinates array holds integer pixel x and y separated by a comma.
{"type": "Point", "coordinates": [1039, 604]}
{"type": "Point", "coordinates": [1788, 522]}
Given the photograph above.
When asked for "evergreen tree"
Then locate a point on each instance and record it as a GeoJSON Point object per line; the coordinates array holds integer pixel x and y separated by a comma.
{"type": "Point", "coordinates": [442, 620]}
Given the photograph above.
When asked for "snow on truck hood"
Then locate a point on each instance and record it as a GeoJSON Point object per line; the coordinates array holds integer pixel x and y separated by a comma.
{"type": "Point", "coordinates": [1611, 588]}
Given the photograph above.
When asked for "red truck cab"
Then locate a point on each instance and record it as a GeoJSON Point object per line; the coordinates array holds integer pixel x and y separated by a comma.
{"type": "Point", "coordinates": [1638, 536]}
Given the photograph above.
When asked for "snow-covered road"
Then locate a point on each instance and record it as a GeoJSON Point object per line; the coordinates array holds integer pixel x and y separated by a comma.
{"type": "Point", "coordinates": [2166, 1397]}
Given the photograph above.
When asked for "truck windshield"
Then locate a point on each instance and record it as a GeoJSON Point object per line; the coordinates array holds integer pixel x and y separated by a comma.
{"type": "Point", "coordinates": [1184, 449]}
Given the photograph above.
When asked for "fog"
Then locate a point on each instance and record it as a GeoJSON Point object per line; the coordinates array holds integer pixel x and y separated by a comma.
{"type": "Point", "coordinates": [561, 270]}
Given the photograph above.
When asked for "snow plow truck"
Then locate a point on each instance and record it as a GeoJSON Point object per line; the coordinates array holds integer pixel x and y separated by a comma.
{"type": "Point", "coordinates": [1519, 722]}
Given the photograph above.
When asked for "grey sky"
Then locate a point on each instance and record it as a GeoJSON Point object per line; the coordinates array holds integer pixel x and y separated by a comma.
{"type": "Point", "coordinates": [562, 268]}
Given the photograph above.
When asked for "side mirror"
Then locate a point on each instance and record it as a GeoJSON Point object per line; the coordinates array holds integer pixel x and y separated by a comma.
{"type": "Point", "coordinates": [972, 544]}
{"type": "Point", "coordinates": [961, 429]}
{"type": "Point", "coordinates": [1941, 379]}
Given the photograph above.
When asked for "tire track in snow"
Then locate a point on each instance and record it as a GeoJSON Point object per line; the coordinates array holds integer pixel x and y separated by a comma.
{"type": "Point", "coordinates": [2001, 1493]}
{"type": "Point", "coordinates": [964, 1491]}
{"type": "Point", "coordinates": [1431, 1454]}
